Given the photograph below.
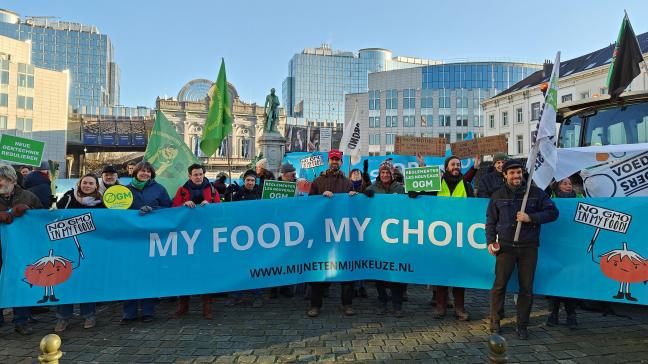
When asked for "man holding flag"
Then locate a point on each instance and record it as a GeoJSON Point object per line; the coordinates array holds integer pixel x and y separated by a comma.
{"type": "Point", "coordinates": [515, 213]}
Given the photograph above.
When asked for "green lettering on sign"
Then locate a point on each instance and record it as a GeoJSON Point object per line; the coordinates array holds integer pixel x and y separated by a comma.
{"type": "Point", "coordinates": [278, 189]}
{"type": "Point", "coordinates": [423, 179]}
{"type": "Point", "coordinates": [19, 150]}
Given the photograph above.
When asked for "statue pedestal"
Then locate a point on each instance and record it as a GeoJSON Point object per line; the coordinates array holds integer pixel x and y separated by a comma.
{"type": "Point", "coordinates": [272, 145]}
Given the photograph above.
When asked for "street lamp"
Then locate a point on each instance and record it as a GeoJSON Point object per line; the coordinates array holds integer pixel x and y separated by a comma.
{"type": "Point", "coordinates": [85, 150]}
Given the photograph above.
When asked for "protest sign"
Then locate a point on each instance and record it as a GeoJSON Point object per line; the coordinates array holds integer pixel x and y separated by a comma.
{"type": "Point", "coordinates": [409, 145]}
{"type": "Point", "coordinates": [313, 161]}
{"type": "Point", "coordinates": [326, 139]}
{"type": "Point", "coordinates": [480, 146]}
{"type": "Point", "coordinates": [21, 150]}
{"type": "Point", "coordinates": [423, 179]}
{"type": "Point", "coordinates": [278, 189]}
{"type": "Point", "coordinates": [118, 197]}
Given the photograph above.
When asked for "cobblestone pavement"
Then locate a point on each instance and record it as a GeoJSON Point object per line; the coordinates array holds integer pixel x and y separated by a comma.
{"type": "Point", "coordinates": [280, 332]}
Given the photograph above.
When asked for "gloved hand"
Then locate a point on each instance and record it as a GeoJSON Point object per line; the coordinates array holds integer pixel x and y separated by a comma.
{"type": "Point", "coordinates": [145, 210]}
{"type": "Point", "coordinates": [412, 194]}
{"type": "Point", "coordinates": [5, 218]}
{"type": "Point", "coordinates": [365, 166]}
{"type": "Point", "coordinates": [369, 193]}
{"type": "Point", "coordinates": [19, 210]}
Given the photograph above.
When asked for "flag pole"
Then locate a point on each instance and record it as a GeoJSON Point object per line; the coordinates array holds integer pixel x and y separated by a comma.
{"type": "Point", "coordinates": [229, 160]}
{"type": "Point", "coordinates": [534, 156]}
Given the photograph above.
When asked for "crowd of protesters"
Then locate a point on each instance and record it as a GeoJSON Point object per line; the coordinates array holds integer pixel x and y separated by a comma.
{"type": "Point", "coordinates": [503, 183]}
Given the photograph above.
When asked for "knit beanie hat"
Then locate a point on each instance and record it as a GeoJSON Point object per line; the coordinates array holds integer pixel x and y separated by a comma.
{"type": "Point", "coordinates": [500, 157]}
{"type": "Point", "coordinates": [447, 161]}
{"type": "Point", "coordinates": [263, 163]}
{"type": "Point", "coordinates": [388, 165]}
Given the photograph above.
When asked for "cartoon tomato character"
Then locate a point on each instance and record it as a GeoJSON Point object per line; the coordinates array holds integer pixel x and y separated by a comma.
{"type": "Point", "coordinates": [625, 266]}
{"type": "Point", "coordinates": [48, 272]}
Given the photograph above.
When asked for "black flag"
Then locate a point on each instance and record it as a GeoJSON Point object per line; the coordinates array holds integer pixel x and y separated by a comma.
{"type": "Point", "coordinates": [625, 60]}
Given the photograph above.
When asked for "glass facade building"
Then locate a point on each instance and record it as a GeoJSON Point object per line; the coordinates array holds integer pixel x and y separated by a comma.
{"type": "Point", "coordinates": [442, 100]}
{"type": "Point", "coordinates": [318, 79]}
{"type": "Point", "coordinates": [81, 49]}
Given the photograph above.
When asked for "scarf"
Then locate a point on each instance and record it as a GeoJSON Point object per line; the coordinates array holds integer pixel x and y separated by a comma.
{"type": "Point", "coordinates": [356, 185]}
{"type": "Point", "coordinates": [196, 191]}
{"type": "Point", "coordinates": [561, 194]}
{"type": "Point", "coordinates": [139, 184]}
{"type": "Point", "coordinates": [90, 200]}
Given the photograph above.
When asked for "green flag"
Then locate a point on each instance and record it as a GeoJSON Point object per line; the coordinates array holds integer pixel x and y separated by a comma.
{"type": "Point", "coordinates": [168, 154]}
{"type": "Point", "coordinates": [625, 60]}
{"type": "Point", "coordinates": [219, 119]}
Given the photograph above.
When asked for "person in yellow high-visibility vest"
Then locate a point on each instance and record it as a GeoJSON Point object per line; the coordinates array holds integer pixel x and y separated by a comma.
{"type": "Point", "coordinates": [452, 185]}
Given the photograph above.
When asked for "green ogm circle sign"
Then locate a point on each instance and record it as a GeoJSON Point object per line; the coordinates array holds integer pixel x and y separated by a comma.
{"type": "Point", "coordinates": [118, 197]}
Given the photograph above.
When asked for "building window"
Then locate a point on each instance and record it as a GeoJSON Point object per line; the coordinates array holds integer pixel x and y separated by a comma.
{"type": "Point", "coordinates": [604, 91]}
{"type": "Point", "coordinates": [391, 101]}
{"type": "Point", "coordinates": [426, 120]}
{"type": "Point", "coordinates": [245, 147]}
{"type": "Point", "coordinates": [585, 95]}
{"type": "Point", "coordinates": [504, 118]}
{"type": "Point", "coordinates": [462, 99]}
{"type": "Point", "coordinates": [25, 102]}
{"type": "Point", "coordinates": [390, 139]}
{"type": "Point", "coordinates": [535, 111]}
{"type": "Point", "coordinates": [4, 72]}
{"type": "Point", "coordinates": [391, 121]}
{"type": "Point", "coordinates": [408, 121]}
{"type": "Point", "coordinates": [519, 141]}
{"type": "Point", "coordinates": [462, 120]}
{"type": "Point", "coordinates": [25, 75]}
{"type": "Point", "coordinates": [444, 120]}
{"type": "Point", "coordinates": [24, 125]}
{"type": "Point", "coordinates": [478, 121]}
{"type": "Point", "coordinates": [374, 122]}
{"type": "Point", "coordinates": [3, 122]}
{"type": "Point", "coordinates": [374, 139]}
{"type": "Point", "coordinates": [566, 98]}
{"type": "Point", "coordinates": [4, 100]}
{"type": "Point", "coordinates": [374, 99]}
{"type": "Point", "coordinates": [461, 136]}
{"type": "Point", "coordinates": [409, 98]}
{"type": "Point", "coordinates": [491, 121]}
{"type": "Point", "coordinates": [444, 99]}
{"type": "Point", "coordinates": [518, 115]}
{"type": "Point", "coordinates": [426, 99]}
{"type": "Point", "coordinates": [445, 136]}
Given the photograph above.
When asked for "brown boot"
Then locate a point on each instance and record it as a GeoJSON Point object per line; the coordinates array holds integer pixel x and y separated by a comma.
{"type": "Point", "coordinates": [183, 306]}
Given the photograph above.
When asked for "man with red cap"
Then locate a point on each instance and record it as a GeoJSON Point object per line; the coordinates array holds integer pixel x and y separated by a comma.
{"type": "Point", "coordinates": [330, 182]}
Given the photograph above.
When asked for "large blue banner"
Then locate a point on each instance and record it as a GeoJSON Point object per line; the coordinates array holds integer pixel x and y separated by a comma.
{"type": "Point", "coordinates": [593, 251]}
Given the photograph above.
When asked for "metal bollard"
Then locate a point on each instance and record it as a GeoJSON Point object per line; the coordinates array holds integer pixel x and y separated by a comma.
{"type": "Point", "coordinates": [497, 349]}
{"type": "Point", "coordinates": [49, 346]}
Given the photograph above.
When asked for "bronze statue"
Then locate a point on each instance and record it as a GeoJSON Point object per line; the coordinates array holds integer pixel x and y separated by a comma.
{"type": "Point", "coordinates": [271, 110]}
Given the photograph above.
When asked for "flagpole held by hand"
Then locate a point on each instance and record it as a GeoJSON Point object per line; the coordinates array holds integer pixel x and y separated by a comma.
{"type": "Point", "coordinates": [534, 156]}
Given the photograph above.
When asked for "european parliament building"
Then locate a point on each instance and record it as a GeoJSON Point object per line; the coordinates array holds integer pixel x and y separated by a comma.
{"type": "Point", "coordinates": [87, 54]}
{"type": "Point", "coordinates": [318, 78]}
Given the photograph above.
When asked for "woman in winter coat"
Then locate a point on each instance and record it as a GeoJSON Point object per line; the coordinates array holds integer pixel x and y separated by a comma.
{"type": "Point", "coordinates": [148, 195]}
{"type": "Point", "coordinates": [197, 191]}
{"type": "Point", "coordinates": [85, 195]}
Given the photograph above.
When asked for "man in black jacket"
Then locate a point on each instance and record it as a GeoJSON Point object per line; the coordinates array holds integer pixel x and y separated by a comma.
{"type": "Point", "coordinates": [501, 219]}
{"type": "Point", "coordinates": [250, 189]}
{"type": "Point", "coordinates": [494, 179]}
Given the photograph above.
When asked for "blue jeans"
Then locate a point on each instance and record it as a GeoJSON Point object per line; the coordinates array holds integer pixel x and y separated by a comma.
{"type": "Point", "coordinates": [130, 308]}
{"type": "Point", "coordinates": [20, 315]}
{"type": "Point", "coordinates": [64, 312]}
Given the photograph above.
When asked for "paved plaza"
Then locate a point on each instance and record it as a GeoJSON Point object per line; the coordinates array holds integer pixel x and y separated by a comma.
{"type": "Point", "coordinates": [280, 332]}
